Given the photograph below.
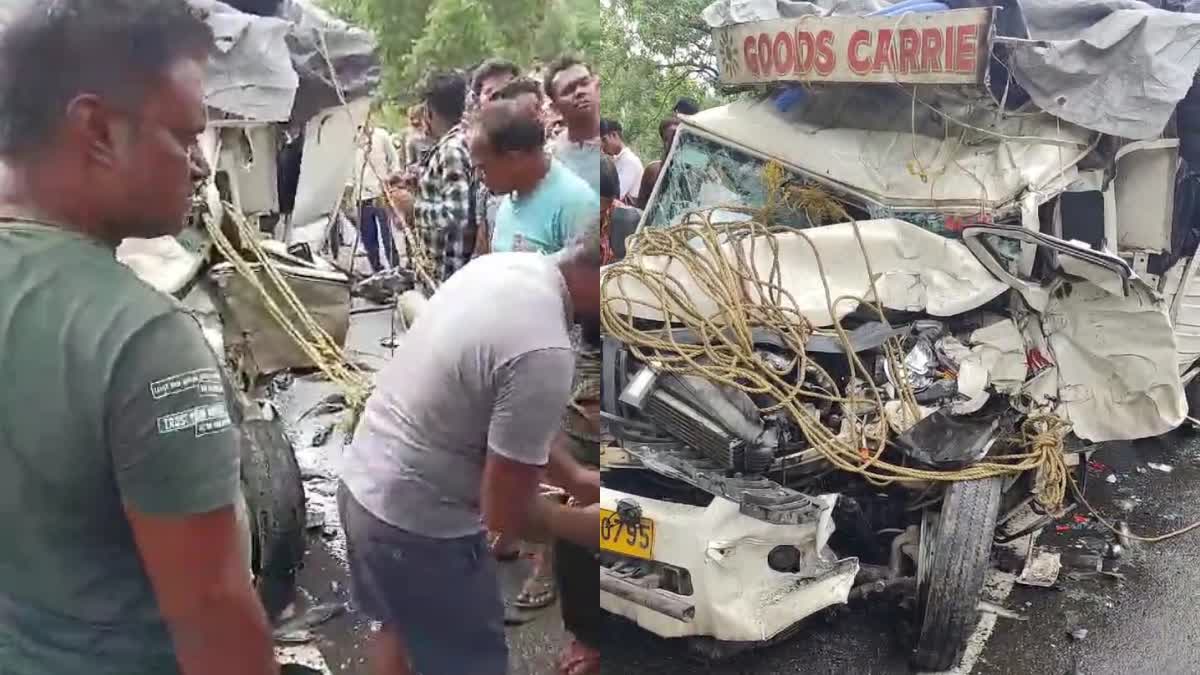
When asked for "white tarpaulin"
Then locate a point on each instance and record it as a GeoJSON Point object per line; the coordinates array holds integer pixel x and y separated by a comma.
{"type": "Point", "coordinates": [916, 270]}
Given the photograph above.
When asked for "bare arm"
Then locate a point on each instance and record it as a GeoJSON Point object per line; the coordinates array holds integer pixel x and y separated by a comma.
{"type": "Point", "coordinates": [205, 593]}
{"type": "Point", "coordinates": [567, 473]}
{"type": "Point", "coordinates": [531, 394]}
{"type": "Point", "coordinates": [512, 506]}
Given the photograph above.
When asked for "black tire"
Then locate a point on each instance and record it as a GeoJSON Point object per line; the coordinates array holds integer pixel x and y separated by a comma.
{"type": "Point", "coordinates": [948, 594]}
{"type": "Point", "coordinates": [275, 501]}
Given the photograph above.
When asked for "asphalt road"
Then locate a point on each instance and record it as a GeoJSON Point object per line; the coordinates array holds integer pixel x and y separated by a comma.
{"type": "Point", "coordinates": [1146, 623]}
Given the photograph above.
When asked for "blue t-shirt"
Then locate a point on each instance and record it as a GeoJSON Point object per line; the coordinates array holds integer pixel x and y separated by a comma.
{"type": "Point", "coordinates": [547, 218]}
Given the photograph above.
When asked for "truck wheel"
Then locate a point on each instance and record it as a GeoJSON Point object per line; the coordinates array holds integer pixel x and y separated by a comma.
{"type": "Point", "coordinates": [955, 552]}
{"type": "Point", "coordinates": [275, 501]}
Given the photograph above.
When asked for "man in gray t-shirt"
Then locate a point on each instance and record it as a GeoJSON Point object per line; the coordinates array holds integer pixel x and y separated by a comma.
{"type": "Point", "coordinates": [456, 435]}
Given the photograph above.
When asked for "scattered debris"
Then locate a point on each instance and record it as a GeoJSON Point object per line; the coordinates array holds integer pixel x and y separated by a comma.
{"type": "Point", "coordinates": [316, 520]}
{"type": "Point", "coordinates": [993, 608]}
{"type": "Point", "coordinates": [1042, 568]}
{"type": "Point", "coordinates": [1112, 478]}
{"type": "Point", "coordinates": [1123, 534]}
{"type": "Point", "coordinates": [1160, 467]}
{"type": "Point", "coordinates": [315, 616]}
{"type": "Point", "coordinates": [294, 637]}
{"type": "Point", "coordinates": [321, 436]}
{"type": "Point", "coordinates": [1079, 634]}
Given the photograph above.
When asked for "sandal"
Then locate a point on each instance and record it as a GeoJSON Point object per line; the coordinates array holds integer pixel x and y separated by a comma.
{"type": "Point", "coordinates": [579, 659]}
{"type": "Point", "coordinates": [537, 593]}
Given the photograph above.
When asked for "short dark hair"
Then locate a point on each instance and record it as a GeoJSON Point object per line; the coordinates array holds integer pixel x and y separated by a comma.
{"type": "Point", "coordinates": [492, 68]}
{"type": "Point", "coordinates": [519, 87]}
{"type": "Point", "coordinates": [611, 126]}
{"type": "Point", "coordinates": [53, 51]}
{"type": "Point", "coordinates": [686, 106]}
{"type": "Point", "coordinates": [508, 128]}
{"type": "Point", "coordinates": [445, 93]}
{"type": "Point", "coordinates": [610, 180]}
{"type": "Point", "coordinates": [564, 62]}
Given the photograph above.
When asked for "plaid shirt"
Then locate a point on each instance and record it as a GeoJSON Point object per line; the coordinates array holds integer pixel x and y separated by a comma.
{"type": "Point", "coordinates": [445, 195]}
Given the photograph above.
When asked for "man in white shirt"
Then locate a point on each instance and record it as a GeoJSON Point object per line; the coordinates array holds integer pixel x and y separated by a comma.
{"type": "Point", "coordinates": [629, 165]}
{"type": "Point", "coordinates": [375, 161]}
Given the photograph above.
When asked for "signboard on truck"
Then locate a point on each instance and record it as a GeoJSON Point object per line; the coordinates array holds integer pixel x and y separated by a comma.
{"type": "Point", "coordinates": [950, 48]}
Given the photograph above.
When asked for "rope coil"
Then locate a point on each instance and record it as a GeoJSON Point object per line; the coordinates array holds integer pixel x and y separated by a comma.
{"type": "Point", "coordinates": [718, 256]}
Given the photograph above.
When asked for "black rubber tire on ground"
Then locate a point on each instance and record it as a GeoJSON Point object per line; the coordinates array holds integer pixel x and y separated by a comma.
{"type": "Point", "coordinates": [948, 600]}
{"type": "Point", "coordinates": [275, 500]}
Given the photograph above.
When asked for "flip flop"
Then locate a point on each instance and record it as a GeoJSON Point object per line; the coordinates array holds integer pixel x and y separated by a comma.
{"type": "Point", "coordinates": [538, 593]}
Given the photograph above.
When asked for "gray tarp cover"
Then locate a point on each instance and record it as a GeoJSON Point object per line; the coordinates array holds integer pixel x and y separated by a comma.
{"type": "Point", "coordinates": [273, 69]}
{"type": "Point", "coordinates": [1115, 66]}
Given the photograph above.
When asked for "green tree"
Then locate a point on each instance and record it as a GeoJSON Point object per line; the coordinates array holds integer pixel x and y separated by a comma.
{"type": "Point", "coordinates": [652, 54]}
{"type": "Point", "coordinates": [418, 36]}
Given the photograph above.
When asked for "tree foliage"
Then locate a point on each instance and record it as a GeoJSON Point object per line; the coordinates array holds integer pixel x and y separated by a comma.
{"type": "Point", "coordinates": [652, 54]}
{"type": "Point", "coordinates": [419, 36]}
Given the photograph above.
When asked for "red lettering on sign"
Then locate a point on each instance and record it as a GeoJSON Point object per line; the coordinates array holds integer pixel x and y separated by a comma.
{"type": "Point", "coordinates": [764, 53]}
{"type": "Point", "coordinates": [931, 50]}
{"type": "Point", "coordinates": [784, 52]}
{"type": "Point", "coordinates": [966, 45]}
{"type": "Point", "coordinates": [949, 65]}
{"type": "Point", "coordinates": [826, 57]}
{"type": "Point", "coordinates": [750, 54]}
{"type": "Point", "coordinates": [858, 63]}
{"type": "Point", "coordinates": [806, 51]}
{"type": "Point", "coordinates": [883, 51]}
{"type": "Point", "coordinates": [910, 51]}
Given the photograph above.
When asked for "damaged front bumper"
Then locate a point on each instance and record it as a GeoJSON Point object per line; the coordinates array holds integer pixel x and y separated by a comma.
{"type": "Point", "coordinates": [719, 573]}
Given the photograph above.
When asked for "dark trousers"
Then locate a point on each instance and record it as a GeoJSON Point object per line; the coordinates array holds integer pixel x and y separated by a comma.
{"type": "Point", "coordinates": [374, 224]}
{"type": "Point", "coordinates": [578, 574]}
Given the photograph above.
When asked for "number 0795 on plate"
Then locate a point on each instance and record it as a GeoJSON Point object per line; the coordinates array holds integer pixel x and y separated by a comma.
{"type": "Point", "coordinates": [617, 536]}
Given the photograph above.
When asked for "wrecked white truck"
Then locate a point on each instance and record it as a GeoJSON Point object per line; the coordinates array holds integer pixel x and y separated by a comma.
{"type": "Point", "coordinates": [867, 319]}
{"type": "Point", "coordinates": [287, 90]}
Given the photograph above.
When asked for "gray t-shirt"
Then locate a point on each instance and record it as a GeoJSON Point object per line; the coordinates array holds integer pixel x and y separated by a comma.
{"type": "Point", "coordinates": [111, 396]}
{"type": "Point", "coordinates": [486, 367]}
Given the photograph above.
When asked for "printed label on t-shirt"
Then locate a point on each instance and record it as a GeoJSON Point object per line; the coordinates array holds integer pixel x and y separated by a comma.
{"type": "Point", "coordinates": [206, 381]}
{"type": "Point", "coordinates": [205, 419]}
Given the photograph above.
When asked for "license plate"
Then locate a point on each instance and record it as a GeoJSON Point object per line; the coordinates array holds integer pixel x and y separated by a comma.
{"type": "Point", "coordinates": [618, 537]}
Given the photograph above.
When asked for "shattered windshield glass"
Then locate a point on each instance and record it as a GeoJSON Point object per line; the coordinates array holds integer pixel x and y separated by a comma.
{"type": "Point", "coordinates": [704, 174]}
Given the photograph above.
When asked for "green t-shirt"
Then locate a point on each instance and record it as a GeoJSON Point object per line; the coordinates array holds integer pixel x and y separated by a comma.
{"type": "Point", "coordinates": [110, 395]}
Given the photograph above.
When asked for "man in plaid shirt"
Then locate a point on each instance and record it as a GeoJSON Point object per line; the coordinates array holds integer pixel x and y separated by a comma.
{"type": "Point", "coordinates": [445, 200]}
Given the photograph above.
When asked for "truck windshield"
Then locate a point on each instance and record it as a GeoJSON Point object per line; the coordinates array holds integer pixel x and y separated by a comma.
{"type": "Point", "coordinates": [704, 174]}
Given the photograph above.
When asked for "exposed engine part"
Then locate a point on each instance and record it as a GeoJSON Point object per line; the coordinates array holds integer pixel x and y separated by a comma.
{"type": "Point", "coordinates": [757, 497]}
{"type": "Point", "coordinates": [722, 423]}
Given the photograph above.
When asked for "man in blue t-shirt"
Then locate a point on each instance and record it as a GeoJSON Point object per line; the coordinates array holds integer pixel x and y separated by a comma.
{"type": "Point", "coordinates": [546, 203]}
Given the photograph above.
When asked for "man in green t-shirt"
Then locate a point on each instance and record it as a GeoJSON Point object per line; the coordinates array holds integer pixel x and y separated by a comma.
{"type": "Point", "coordinates": [121, 553]}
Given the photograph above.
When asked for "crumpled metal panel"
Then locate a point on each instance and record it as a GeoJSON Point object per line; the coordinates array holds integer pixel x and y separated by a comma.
{"type": "Point", "coordinates": [737, 597]}
{"type": "Point", "coordinates": [256, 339]}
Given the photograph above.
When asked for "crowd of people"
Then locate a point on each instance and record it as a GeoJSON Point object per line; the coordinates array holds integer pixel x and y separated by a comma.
{"type": "Point", "coordinates": [129, 558]}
